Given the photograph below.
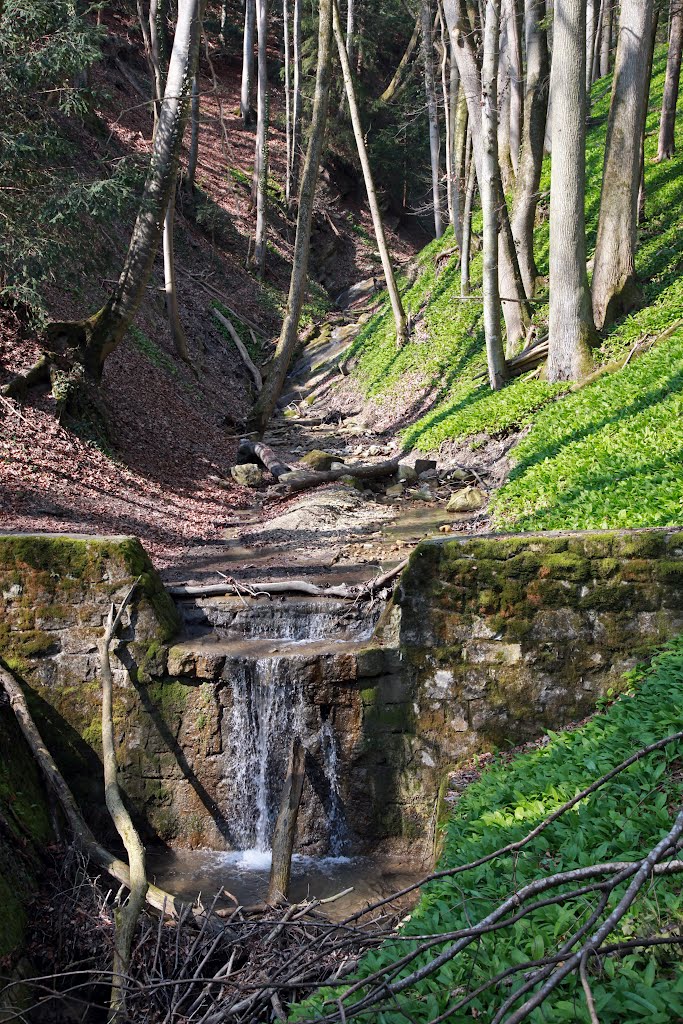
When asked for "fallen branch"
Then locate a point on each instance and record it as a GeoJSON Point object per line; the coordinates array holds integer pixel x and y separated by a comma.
{"type": "Point", "coordinates": [241, 348]}
{"type": "Point", "coordinates": [285, 826]}
{"type": "Point", "coordinates": [299, 480]}
{"type": "Point", "coordinates": [355, 593]}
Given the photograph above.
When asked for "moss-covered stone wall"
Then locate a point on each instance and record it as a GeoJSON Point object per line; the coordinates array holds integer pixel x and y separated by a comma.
{"type": "Point", "coordinates": [504, 637]}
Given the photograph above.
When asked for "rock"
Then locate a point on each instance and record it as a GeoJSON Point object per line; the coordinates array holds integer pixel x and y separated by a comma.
{"type": "Point", "coordinates": [422, 465]}
{"type": "Point", "coordinates": [247, 475]}
{"type": "Point", "coordinates": [469, 499]}
{"type": "Point", "coordinates": [377, 449]}
{"type": "Point", "coordinates": [338, 465]}
{"type": "Point", "coordinates": [428, 474]}
{"type": "Point", "coordinates": [406, 472]}
{"type": "Point", "coordinates": [360, 290]}
{"type": "Point", "coordinates": [319, 461]}
{"type": "Point", "coordinates": [458, 474]}
{"type": "Point", "coordinates": [394, 491]}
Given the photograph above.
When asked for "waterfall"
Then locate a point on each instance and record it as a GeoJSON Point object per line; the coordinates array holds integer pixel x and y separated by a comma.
{"type": "Point", "coordinates": [337, 821]}
{"type": "Point", "coordinates": [267, 710]}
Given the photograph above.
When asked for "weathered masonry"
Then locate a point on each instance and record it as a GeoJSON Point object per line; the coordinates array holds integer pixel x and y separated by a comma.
{"type": "Point", "coordinates": [489, 641]}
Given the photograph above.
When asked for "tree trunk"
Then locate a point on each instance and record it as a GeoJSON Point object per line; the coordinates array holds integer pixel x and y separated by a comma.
{"type": "Point", "coordinates": [606, 38]}
{"type": "Point", "coordinates": [394, 295]}
{"type": "Point", "coordinates": [297, 104]}
{"type": "Point", "coordinates": [390, 90]}
{"type": "Point", "coordinates": [447, 110]}
{"type": "Point", "coordinates": [489, 197]}
{"type": "Point", "coordinates": [288, 99]}
{"type": "Point", "coordinates": [91, 341]}
{"type": "Point", "coordinates": [513, 297]}
{"type": "Point", "coordinates": [263, 409]}
{"type": "Point", "coordinates": [507, 174]}
{"type": "Point", "coordinates": [571, 319]}
{"type": "Point", "coordinates": [174, 322]}
{"type": "Point", "coordinates": [615, 290]}
{"type": "Point", "coordinates": [247, 85]}
{"type": "Point", "coordinates": [457, 116]}
{"type": "Point", "coordinates": [285, 825]}
{"type": "Point", "coordinates": [667, 124]}
{"type": "Point", "coordinates": [430, 89]}
{"type": "Point", "coordinates": [531, 155]}
{"type": "Point", "coordinates": [159, 51]}
{"type": "Point", "coordinates": [516, 69]}
{"type": "Point", "coordinates": [194, 139]}
{"type": "Point", "coordinates": [350, 30]}
{"type": "Point", "coordinates": [467, 229]}
{"type": "Point", "coordinates": [261, 155]}
{"type": "Point", "coordinates": [591, 13]}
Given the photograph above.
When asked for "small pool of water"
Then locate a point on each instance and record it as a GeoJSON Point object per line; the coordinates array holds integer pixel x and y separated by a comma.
{"type": "Point", "coordinates": [244, 874]}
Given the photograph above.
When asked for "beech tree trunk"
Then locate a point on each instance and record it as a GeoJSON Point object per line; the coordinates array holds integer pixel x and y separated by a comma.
{"type": "Point", "coordinates": [516, 71]}
{"type": "Point", "coordinates": [667, 124]}
{"type": "Point", "coordinates": [390, 90]}
{"type": "Point", "coordinates": [591, 13]}
{"type": "Point", "coordinates": [571, 319]}
{"type": "Point", "coordinates": [430, 89]}
{"type": "Point", "coordinates": [297, 100]}
{"type": "Point", "coordinates": [174, 321]}
{"type": "Point", "coordinates": [194, 139]}
{"type": "Point", "coordinates": [272, 387]}
{"type": "Point", "coordinates": [285, 825]}
{"type": "Point", "coordinates": [504, 88]}
{"type": "Point", "coordinates": [286, 45]}
{"type": "Point", "coordinates": [448, 110]}
{"type": "Point", "coordinates": [350, 29]}
{"type": "Point", "coordinates": [533, 135]}
{"type": "Point", "coordinates": [261, 155]}
{"type": "Point", "coordinates": [489, 197]}
{"type": "Point", "coordinates": [606, 37]}
{"type": "Point", "coordinates": [467, 229]}
{"type": "Point", "coordinates": [615, 289]}
{"type": "Point", "coordinates": [247, 85]}
{"type": "Point", "coordinates": [392, 288]}
{"type": "Point", "coordinates": [159, 50]}
{"type": "Point", "coordinates": [513, 296]}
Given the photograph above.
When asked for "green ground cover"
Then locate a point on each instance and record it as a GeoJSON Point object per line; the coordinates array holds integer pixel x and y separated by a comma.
{"type": "Point", "coordinates": [621, 821]}
{"type": "Point", "coordinates": [617, 434]}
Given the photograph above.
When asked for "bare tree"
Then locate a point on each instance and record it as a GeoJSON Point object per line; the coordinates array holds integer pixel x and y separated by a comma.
{"type": "Point", "coordinates": [667, 139]}
{"type": "Point", "coordinates": [488, 187]}
{"type": "Point", "coordinates": [391, 89]}
{"type": "Point", "coordinates": [467, 227]}
{"type": "Point", "coordinates": [286, 46]}
{"type": "Point", "coordinates": [533, 135]}
{"type": "Point", "coordinates": [606, 37]}
{"type": "Point", "coordinates": [385, 256]}
{"type": "Point", "coordinates": [247, 84]}
{"type": "Point", "coordinates": [297, 99]}
{"type": "Point", "coordinates": [571, 318]}
{"type": "Point", "coordinates": [272, 387]}
{"type": "Point", "coordinates": [513, 297]}
{"type": "Point", "coordinates": [615, 289]}
{"type": "Point", "coordinates": [516, 74]}
{"type": "Point", "coordinates": [260, 185]}
{"type": "Point", "coordinates": [194, 138]}
{"type": "Point", "coordinates": [432, 114]}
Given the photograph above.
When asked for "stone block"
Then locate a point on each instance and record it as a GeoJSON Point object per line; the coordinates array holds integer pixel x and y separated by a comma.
{"type": "Point", "coordinates": [494, 652]}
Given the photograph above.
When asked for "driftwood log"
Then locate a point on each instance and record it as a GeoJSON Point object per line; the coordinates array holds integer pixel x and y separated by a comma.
{"type": "Point", "coordinates": [343, 590]}
{"type": "Point", "coordinates": [285, 826]}
{"type": "Point", "coordinates": [300, 479]}
{"type": "Point", "coordinates": [250, 450]}
{"type": "Point", "coordinates": [241, 348]}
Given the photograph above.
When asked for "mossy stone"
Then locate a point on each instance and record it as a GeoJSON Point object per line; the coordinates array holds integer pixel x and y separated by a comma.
{"type": "Point", "coordinates": [567, 565]}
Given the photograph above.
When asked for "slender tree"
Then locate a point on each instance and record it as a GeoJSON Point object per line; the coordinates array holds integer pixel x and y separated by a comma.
{"type": "Point", "coordinates": [516, 74]}
{"type": "Point", "coordinates": [467, 228]}
{"type": "Point", "coordinates": [667, 124]}
{"type": "Point", "coordinates": [286, 46]}
{"type": "Point", "coordinates": [261, 154]}
{"type": "Point", "coordinates": [392, 288]}
{"type": "Point", "coordinates": [513, 297]}
{"type": "Point", "coordinates": [606, 37]}
{"type": "Point", "coordinates": [495, 354]}
{"type": "Point", "coordinates": [571, 319]}
{"type": "Point", "coordinates": [194, 138]}
{"type": "Point", "coordinates": [591, 15]}
{"type": "Point", "coordinates": [432, 114]}
{"type": "Point", "coordinates": [533, 134]}
{"type": "Point", "coordinates": [392, 88]}
{"type": "Point", "coordinates": [272, 387]}
{"type": "Point", "coordinates": [297, 98]}
{"type": "Point", "coordinates": [615, 289]}
{"type": "Point", "coordinates": [247, 84]}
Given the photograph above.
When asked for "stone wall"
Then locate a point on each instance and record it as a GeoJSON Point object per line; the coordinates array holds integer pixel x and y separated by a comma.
{"type": "Point", "coordinates": [504, 637]}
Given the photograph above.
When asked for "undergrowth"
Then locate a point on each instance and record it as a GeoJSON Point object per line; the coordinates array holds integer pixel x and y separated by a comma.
{"type": "Point", "coordinates": [603, 457]}
{"type": "Point", "coordinates": [621, 821]}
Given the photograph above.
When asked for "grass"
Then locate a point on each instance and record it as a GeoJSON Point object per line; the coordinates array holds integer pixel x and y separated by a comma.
{"type": "Point", "coordinates": [620, 821]}
{"type": "Point", "coordinates": [605, 456]}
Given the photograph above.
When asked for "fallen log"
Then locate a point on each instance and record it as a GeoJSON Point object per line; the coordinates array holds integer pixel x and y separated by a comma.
{"type": "Point", "coordinates": [285, 826]}
{"type": "Point", "coordinates": [343, 590]}
{"type": "Point", "coordinates": [250, 450]}
{"type": "Point", "coordinates": [241, 348]}
{"type": "Point", "coordinates": [300, 479]}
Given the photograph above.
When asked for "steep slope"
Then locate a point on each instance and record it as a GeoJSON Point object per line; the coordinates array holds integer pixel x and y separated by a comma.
{"type": "Point", "coordinates": [607, 456]}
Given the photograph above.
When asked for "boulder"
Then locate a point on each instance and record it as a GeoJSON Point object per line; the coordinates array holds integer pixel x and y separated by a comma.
{"type": "Point", "coordinates": [406, 473]}
{"type": "Point", "coordinates": [422, 465]}
{"type": "Point", "coordinates": [469, 499]}
{"type": "Point", "coordinates": [394, 491]}
{"type": "Point", "coordinates": [247, 475]}
{"type": "Point", "coordinates": [319, 461]}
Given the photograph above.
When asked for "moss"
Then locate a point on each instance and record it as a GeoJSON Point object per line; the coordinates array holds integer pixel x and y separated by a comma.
{"type": "Point", "coordinates": [18, 645]}
{"type": "Point", "coordinates": [605, 567]}
{"type": "Point", "coordinates": [609, 597]}
{"type": "Point", "coordinates": [138, 562]}
{"type": "Point", "coordinates": [170, 696]}
{"type": "Point", "coordinates": [567, 566]}
{"type": "Point", "coordinates": [668, 571]}
{"type": "Point", "coordinates": [640, 545]}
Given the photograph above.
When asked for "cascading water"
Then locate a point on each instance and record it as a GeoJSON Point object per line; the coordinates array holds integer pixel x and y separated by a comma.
{"type": "Point", "coordinates": [267, 710]}
{"type": "Point", "coordinates": [338, 829]}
